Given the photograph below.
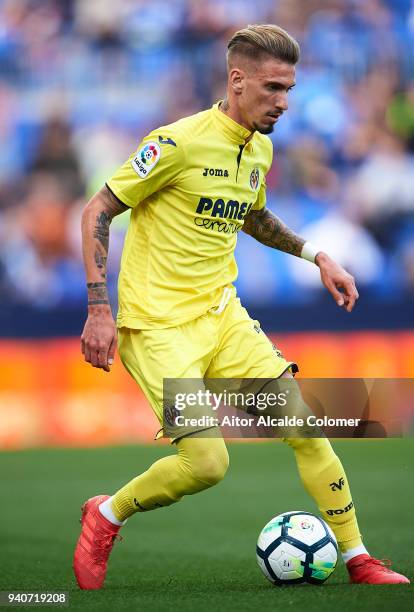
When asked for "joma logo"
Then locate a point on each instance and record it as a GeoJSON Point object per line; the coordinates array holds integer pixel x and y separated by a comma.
{"type": "Point", "coordinates": [340, 510]}
{"type": "Point", "coordinates": [337, 486]}
{"type": "Point", "coordinates": [215, 172]}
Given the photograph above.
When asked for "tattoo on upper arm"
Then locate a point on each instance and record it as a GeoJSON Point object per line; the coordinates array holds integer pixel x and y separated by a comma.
{"type": "Point", "coordinates": [268, 229]}
{"type": "Point", "coordinates": [113, 206]}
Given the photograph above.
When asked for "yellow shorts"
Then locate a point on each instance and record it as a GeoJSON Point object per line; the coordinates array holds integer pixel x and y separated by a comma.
{"type": "Point", "coordinates": [228, 345]}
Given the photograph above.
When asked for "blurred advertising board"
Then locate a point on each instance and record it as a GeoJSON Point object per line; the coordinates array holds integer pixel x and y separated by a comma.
{"type": "Point", "coordinates": [50, 397]}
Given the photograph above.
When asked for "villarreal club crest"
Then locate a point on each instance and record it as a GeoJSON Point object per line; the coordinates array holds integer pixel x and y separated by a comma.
{"type": "Point", "coordinates": [254, 179]}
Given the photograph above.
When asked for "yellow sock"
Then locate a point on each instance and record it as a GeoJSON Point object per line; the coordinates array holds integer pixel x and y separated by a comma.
{"type": "Point", "coordinates": [324, 478]}
{"type": "Point", "coordinates": [201, 462]}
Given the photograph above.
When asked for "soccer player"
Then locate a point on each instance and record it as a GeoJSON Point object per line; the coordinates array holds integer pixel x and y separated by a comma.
{"type": "Point", "coordinates": [191, 186]}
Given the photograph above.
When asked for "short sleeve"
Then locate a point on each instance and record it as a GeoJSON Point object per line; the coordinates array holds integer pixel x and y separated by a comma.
{"type": "Point", "coordinates": [261, 198]}
{"type": "Point", "coordinates": [156, 163]}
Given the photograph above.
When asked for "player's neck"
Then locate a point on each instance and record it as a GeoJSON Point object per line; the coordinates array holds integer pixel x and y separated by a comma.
{"type": "Point", "coordinates": [233, 113]}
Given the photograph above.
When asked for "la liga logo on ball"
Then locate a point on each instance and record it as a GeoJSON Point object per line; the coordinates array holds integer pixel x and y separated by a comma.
{"type": "Point", "coordinates": [146, 159]}
{"type": "Point", "coordinates": [254, 178]}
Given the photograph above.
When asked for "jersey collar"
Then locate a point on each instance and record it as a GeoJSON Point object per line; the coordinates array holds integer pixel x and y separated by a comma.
{"type": "Point", "coordinates": [233, 130]}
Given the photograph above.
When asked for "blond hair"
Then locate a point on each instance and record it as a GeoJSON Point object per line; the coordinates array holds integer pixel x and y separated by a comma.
{"type": "Point", "coordinates": [257, 41]}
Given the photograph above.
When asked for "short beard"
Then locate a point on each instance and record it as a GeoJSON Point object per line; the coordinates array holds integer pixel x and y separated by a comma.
{"type": "Point", "coordinates": [264, 130]}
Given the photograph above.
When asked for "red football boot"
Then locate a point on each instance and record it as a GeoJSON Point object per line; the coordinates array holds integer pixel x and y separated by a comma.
{"type": "Point", "coordinates": [364, 569]}
{"type": "Point", "coordinates": [94, 545]}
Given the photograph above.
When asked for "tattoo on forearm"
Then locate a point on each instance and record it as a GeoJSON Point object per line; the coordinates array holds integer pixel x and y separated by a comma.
{"type": "Point", "coordinates": [101, 231]}
{"type": "Point", "coordinates": [97, 294]}
{"type": "Point", "coordinates": [100, 260]}
{"type": "Point", "coordinates": [97, 302]}
{"type": "Point", "coordinates": [268, 229]}
{"type": "Point", "coordinates": [112, 207]}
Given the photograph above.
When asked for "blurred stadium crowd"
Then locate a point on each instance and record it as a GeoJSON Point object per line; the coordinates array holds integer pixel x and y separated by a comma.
{"type": "Point", "coordinates": [81, 81]}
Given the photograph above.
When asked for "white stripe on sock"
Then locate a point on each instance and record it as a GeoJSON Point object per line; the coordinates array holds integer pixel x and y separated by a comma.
{"type": "Point", "coordinates": [354, 552]}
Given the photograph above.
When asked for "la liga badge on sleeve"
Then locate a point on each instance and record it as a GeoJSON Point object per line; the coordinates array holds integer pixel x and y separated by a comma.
{"type": "Point", "coordinates": [146, 158]}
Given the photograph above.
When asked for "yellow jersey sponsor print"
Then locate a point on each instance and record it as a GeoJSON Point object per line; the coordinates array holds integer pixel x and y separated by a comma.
{"type": "Point", "coordinates": [190, 185]}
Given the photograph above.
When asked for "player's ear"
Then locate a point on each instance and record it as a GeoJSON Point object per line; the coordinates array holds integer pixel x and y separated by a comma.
{"type": "Point", "coordinates": [236, 80]}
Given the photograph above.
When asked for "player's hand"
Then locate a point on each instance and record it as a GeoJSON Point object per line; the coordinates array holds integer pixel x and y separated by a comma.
{"type": "Point", "coordinates": [339, 283]}
{"type": "Point", "coordinates": [98, 340]}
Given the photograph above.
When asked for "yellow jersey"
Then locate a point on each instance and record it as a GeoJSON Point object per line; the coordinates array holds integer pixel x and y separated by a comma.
{"type": "Point", "coordinates": [190, 185]}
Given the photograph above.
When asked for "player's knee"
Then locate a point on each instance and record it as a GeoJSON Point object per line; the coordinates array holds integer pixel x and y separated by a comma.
{"type": "Point", "coordinates": [211, 468]}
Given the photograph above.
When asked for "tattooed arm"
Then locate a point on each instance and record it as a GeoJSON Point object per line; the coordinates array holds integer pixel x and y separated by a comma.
{"type": "Point", "coordinates": [268, 229]}
{"type": "Point", "coordinates": [271, 231]}
{"type": "Point", "coordinates": [98, 341]}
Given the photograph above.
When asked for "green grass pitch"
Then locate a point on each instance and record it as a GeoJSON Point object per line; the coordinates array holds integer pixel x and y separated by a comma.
{"type": "Point", "coordinates": [200, 553]}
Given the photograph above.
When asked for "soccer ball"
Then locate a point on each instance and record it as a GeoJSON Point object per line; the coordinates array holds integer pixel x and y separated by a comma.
{"type": "Point", "coordinates": [295, 548]}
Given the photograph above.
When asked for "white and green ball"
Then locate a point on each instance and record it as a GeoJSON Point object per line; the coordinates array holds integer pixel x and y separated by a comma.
{"type": "Point", "coordinates": [296, 548]}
